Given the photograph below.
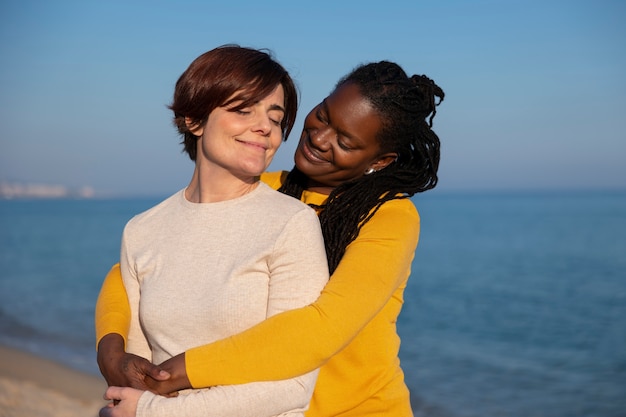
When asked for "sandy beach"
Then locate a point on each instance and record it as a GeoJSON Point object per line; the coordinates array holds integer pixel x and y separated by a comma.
{"type": "Point", "coordinates": [31, 386]}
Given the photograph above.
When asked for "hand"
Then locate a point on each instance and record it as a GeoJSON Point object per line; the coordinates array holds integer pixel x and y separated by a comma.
{"type": "Point", "coordinates": [124, 369]}
{"type": "Point", "coordinates": [177, 381]}
{"type": "Point", "coordinates": [124, 402]}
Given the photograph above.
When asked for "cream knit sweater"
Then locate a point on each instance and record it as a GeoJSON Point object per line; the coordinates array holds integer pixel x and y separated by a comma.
{"type": "Point", "coordinates": [196, 273]}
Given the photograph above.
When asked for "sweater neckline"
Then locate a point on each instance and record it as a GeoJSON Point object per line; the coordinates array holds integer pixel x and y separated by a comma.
{"type": "Point", "coordinates": [226, 203]}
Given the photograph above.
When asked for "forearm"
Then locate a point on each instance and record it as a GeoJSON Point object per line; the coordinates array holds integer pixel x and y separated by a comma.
{"type": "Point", "coordinates": [110, 353]}
{"type": "Point", "coordinates": [257, 399]}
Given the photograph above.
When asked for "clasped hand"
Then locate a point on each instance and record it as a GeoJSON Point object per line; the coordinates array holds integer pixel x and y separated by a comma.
{"type": "Point", "coordinates": [121, 369]}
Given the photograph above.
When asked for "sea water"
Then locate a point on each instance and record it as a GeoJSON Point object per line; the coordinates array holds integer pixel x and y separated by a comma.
{"type": "Point", "coordinates": [516, 304]}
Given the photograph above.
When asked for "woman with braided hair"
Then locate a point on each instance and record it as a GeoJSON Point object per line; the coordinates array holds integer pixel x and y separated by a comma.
{"type": "Point", "coordinates": [363, 152]}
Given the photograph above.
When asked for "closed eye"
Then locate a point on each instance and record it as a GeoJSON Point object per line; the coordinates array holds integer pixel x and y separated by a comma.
{"type": "Point", "coordinates": [321, 116]}
{"type": "Point", "coordinates": [343, 145]}
{"type": "Point", "coordinates": [276, 118]}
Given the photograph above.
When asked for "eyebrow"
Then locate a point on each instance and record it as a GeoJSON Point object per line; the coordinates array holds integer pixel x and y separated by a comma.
{"type": "Point", "coordinates": [277, 107]}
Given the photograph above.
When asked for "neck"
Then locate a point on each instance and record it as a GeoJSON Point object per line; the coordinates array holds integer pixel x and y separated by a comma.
{"type": "Point", "coordinates": [215, 187]}
{"type": "Point", "coordinates": [318, 188]}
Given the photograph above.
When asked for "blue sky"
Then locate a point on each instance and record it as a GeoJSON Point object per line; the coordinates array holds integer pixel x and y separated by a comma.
{"type": "Point", "coordinates": [535, 90]}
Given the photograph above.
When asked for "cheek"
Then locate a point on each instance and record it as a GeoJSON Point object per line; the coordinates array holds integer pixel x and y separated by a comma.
{"type": "Point", "coordinates": [349, 168]}
{"type": "Point", "coordinates": [277, 139]}
{"type": "Point", "coordinates": [347, 161]}
{"type": "Point", "coordinates": [300, 162]}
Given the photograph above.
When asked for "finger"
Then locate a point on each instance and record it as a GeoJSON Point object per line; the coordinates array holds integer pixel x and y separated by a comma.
{"type": "Point", "coordinates": [113, 393]}
{"type": "Point", "coordinates": [156, 372]}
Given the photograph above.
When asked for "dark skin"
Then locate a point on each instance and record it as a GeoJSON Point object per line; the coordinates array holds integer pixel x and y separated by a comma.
{"type": "Point", "coordinates": [123, 369]}
{"type": "Point", "coordinates": [338, 144]}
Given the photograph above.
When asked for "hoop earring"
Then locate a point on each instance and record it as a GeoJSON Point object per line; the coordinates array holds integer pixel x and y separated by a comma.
{"type": "Point", "coordinates": [370, 171]}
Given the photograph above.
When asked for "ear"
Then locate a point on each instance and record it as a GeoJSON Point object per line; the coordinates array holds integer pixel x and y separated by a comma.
{"type": "Point", "coordinates": [195, 128]}
{"type": "Point", "coordinates": [384, 160]}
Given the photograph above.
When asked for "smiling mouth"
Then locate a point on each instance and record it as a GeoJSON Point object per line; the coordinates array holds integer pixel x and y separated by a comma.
{"type": "Point", "coordinates": [311, 155]}
{"type": "Point", "coordinates": [259, 146]}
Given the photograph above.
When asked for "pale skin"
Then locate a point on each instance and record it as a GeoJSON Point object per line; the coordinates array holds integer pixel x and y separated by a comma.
{"type": "Point", "coordinates": [234, 148]}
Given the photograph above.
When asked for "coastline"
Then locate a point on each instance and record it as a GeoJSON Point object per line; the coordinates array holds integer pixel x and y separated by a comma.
{"type": "Point", "coordinates": [31, 386]}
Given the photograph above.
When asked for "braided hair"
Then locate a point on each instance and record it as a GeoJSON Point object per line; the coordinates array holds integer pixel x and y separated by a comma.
{"type": "Point", "coordinates": [406, 106]}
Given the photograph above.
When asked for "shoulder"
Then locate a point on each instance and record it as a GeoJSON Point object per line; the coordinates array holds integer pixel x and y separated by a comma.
{"type": "Point", "coordinates": [274, 179]}
{"type": "Point", "coordinates": [279, 204]}
{"type": "Point", "coordinates": [155, 213]}
{"type": "Point", "coordinates": [394, 217]}
{"type": "Point", "coordinates": [286, 215]}
{"type": "Point", "coordinates": [403, 209]}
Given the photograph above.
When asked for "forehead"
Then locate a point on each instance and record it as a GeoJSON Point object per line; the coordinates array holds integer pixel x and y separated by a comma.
{"type": "Point", "coordinates": [277, 95]}
{"type": "Point", "coordinates": [254, 94]}
{"type": "Point", "coordinates": [353, 114]}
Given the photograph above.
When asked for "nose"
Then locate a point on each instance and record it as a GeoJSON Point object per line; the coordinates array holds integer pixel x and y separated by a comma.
{"type": "Point", "coordinates": [320, 138]}
{"type": "Point", "coordinates": [262, 124]}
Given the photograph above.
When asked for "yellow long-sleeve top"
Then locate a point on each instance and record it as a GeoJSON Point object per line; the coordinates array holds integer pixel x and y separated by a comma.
{"type": "Point", "coordinates": [350, 331]}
